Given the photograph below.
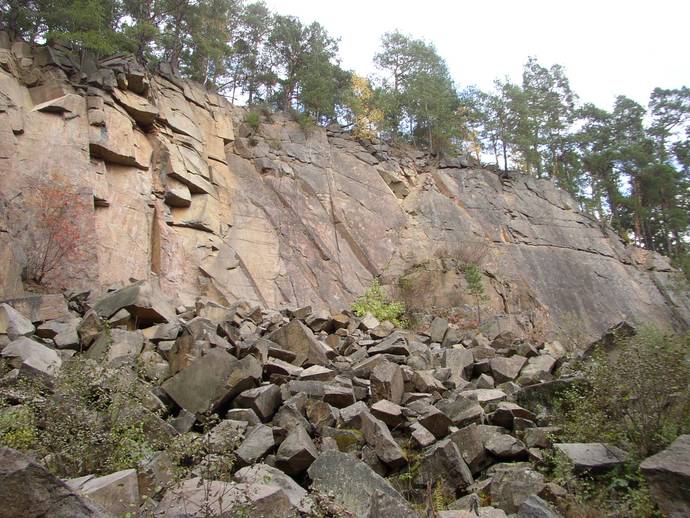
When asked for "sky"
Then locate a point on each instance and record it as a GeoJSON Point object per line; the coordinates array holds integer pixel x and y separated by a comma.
{"type": "Point", "coordinates": [608, 47]}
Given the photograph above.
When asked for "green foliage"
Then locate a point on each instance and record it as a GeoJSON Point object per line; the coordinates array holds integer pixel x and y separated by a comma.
{"type": "Point", "coordinates": [473, 278]}
{"type": "Point", "coordinates": [621, 492]}
{"type": "Point", "coordinates": [89, 421]}
{"type": "Point", "coordinates": [638, 399]}
{"type": "Point", "coordinates": [17, 427]}
{"type": "Point", "coordinates": [377, 303]}
{"type": "Point", "coordinates": [253, 119]}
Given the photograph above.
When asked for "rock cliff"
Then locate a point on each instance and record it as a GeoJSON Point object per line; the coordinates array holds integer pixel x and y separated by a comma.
{"type": "Point", "coordinates": [178, 188]}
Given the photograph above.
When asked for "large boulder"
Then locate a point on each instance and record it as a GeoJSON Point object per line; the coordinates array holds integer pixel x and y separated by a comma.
{"type": "Point", "coordinates": [354, 485]}
{"type": "Point", "coordinates": [117, 492]}
{"type": "Point", "coordinates": [143, 300]}
{"type": "Point", "coordinates": [197, 497]}
{"type": "Point", "coordinates": [27, 490]}
{"type": "Point", "coordinates": [299, 339]}
{"type": "Point", "coordinates": [265, 474]}
{"type": "Point", "coordinates": [32, 357]}
{"type": "Point", "coordinates": [443, 461]}
{"type": "Point", "coordinates": [512, 486]}
{"type": "Point", "coordinates": [13, 323]}
{"type": "Point", "coordinates": [668, 476]}
{"type": "Point", "coordinates": [212, 380]}
{"type": "Point", "coordinates": [594, 457]}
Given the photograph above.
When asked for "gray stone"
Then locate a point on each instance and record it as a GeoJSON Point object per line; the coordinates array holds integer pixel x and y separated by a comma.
{"type": "Point", "coordinates": [377, 435]}
{"type": "Point", "coordinates": [436, 422]}
{"type": "Point", "coordinates": [116, 345]}
{"type": "Point", "coordinates": [506, 447]}
{"type": "Point", "coordinates": [31, 357]}
{"type": "Point", "coordinates": [668, 476]}
{"type": "Point", "coordinates": [388, 412]}
{"type": "Point", "coordinates": [510, 487]}
{"type": "Point", "coordinates": [29, 490]}
{"type": "Point", "coordinates": [264, 400]}
{"type": "Point", "coordinates": [332, 468]}
{"type": "Point", "coordinates": [264, 474]}
{"type": "Point", "coordinates": [438, 329]}
{"type": "Point", "coordinates": [471, 447]}
{"type": "Point", "coordinates": [296, 452]}
{"type": "Point", "coordinates": [387, 382]}
{"type": "Point", "coordinates": [212, 380]}
{"type": "Point", "coordinates": [256, 445]}
{"type": "Point", "coordinates": [395, 344]}
{"type": "Point", "coordinates": [594, 457]}
{"type": "Point", "coordinates": [197, 497]}
{"type": "Point", "coordinates": [243, 414]}
{"type": "Point", "coordinates": [443, 460]}
{"type": "Point", "coordinates": [506, 369]}
{"type": "Point", "coordinates": [118, 492]}
{"type": "Point", "coordinates": [460, 362]}
{"type": "Point", "coordinates": [538, 369]}
{"type": "Point", "coordinates": [13, 323]}
{"type": "Point", "coordinates": [535, 507]}
{"type": "Point", "coordinates": [299, 339]}
{"type": "Point", "coordinates": [142, 300]}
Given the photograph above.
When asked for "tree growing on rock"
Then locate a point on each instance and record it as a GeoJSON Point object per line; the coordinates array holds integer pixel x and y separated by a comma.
{"type": "Point", "coordinates": [56, 236]}
{"type": "Point", "coordinates": [473, 278]}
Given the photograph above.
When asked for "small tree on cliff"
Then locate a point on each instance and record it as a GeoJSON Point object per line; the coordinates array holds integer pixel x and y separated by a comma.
{"type": "Point", "coordinates": [56, 235]}
{"type": "Point", "coordinates": [473, 278]}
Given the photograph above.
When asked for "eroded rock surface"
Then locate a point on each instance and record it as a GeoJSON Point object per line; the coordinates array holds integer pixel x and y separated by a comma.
{"type": "Point", "coordinates": [288, 218]}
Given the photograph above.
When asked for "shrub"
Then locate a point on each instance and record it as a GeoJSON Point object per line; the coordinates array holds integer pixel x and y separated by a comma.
{"type": "Point", "coordinates": [621, 492]}
{"type": "Point", "coordinates": [87, 422]}
{"type": "Point", "coordinates": [253, 119]}
{"type": "Point", "coordinates": [376, 302]}
{"type": "Point", "coordinates": [638, 400]}
{"type": "Point", "coordinates": [56, 233]}
{"type": "Point", "coordinates": [473, 278]}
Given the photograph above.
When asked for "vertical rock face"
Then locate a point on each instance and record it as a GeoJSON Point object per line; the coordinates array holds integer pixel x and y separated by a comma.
{"type": "Point", "coordinates": [280, 217]}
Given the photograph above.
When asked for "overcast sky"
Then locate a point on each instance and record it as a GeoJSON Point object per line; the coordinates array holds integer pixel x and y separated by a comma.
{"type": "Point", "coordinates": [608, 47]}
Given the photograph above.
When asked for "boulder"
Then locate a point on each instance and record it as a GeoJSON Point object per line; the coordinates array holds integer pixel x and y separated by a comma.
{"type": "Point", "coordinates": [395, 344]}
{"type": "Point", "coordinates": [39, 308]}
{"type": "Point", "coordinates": [538, 369]}
{"type": "Point", "coordinates": [256, 445]}
{"type": "Point", "coordinates": [31, 357]}
{"type": "Point", "coordinates": [118, 492]}
{"type": "Point", "coordinates": [436, 422]}
{"type": "Point", "coordinates": [265, 474]}
{"type": "Point", "coordinates": [28, 490]}
{"type": "Point", "coordinates": [535, 507]}
{"type": "Point", "coordinates": [142, 300]}
{"type": "Point", "coordinates": [668, 477]}
{"type": "Point", "coordinates": [377, 435]}
{"type": "Point", "coordinates": [197, 497]}
{"type": "Point", "coordinates": [593, 457]}
{"type": "Point", "coordinates": [387, 382]}
{"type": "Point", "coordinates": [460, 362]}
{"type": "Point", "coordinates": [212, 380]}
{"type": "Point", "coordinates": [264, 400]}
{"type": "Point", "coordinates": [13, 323]}
{"type": "Point", "coordinates": [506, 447]}
{"type": "Point", "coordinates": [511, 486]}
{"type": "Point", "coordinates": [388, 412]}
{"type": "Point", "coordinates": [471, 447]}
{"type": "Point", "coordinates": [116, 345]}
{"type": "Point", "coordinates": [299, 339]}
{"type": "Point", "coordinates": [332, 469]}
{"type": "Point", "coordinates": [296, 452]}
{"type": "Point", "coordinates": [443, 461]}
{"type": "Point", "coordinates": [506, 369]}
